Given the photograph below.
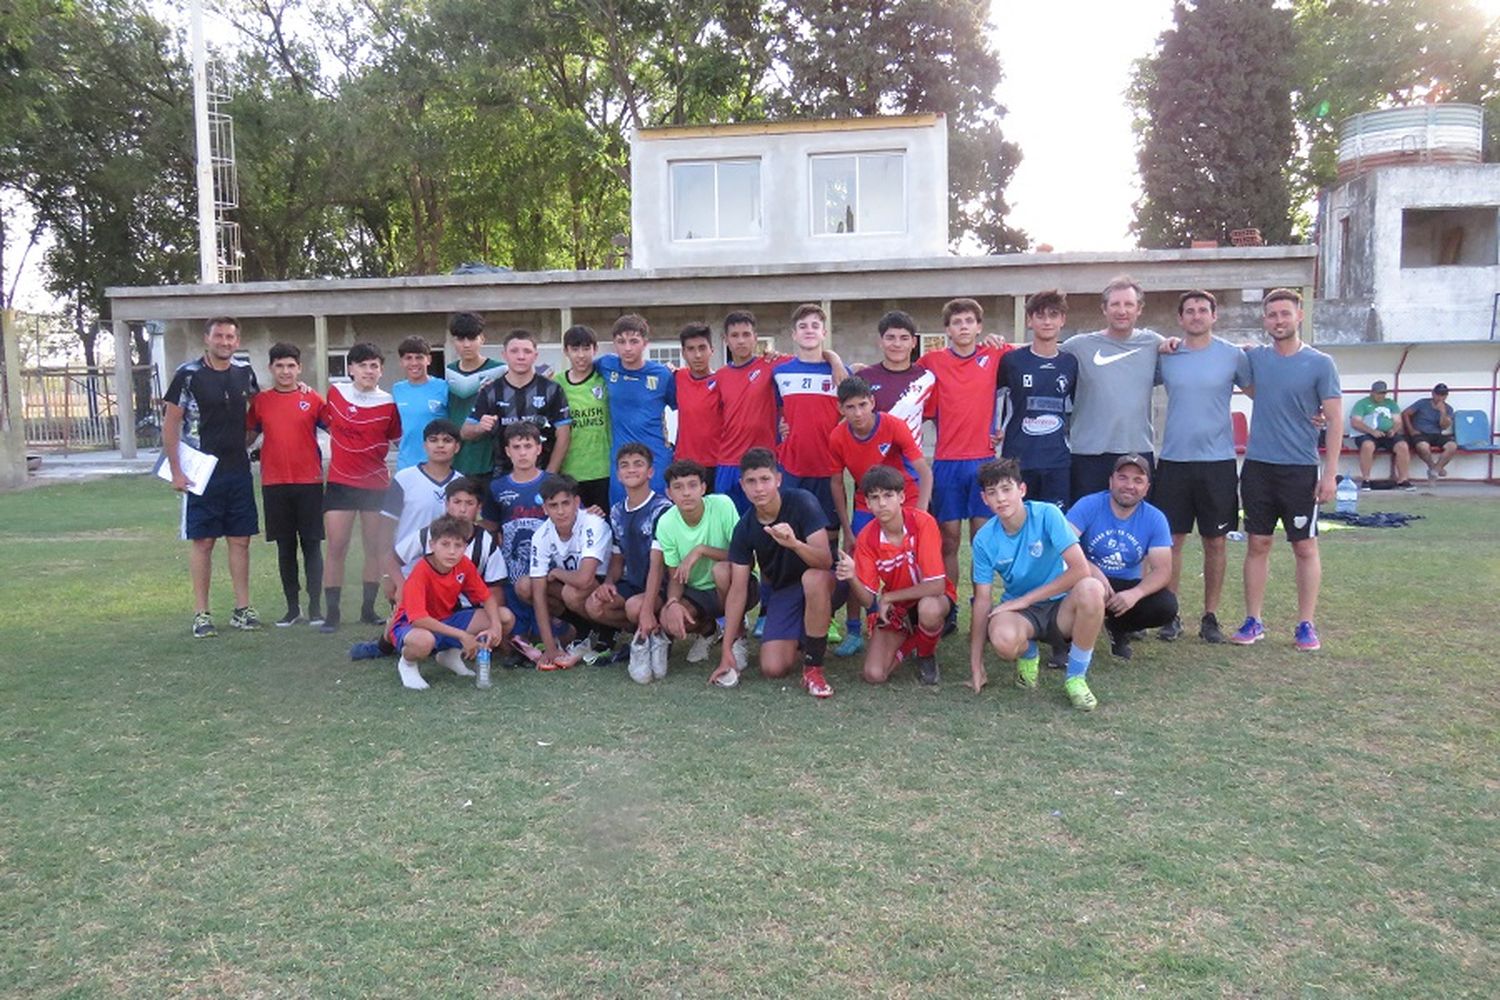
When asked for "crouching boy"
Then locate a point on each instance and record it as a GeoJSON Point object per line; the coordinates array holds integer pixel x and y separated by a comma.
{"type": "Point", "coordinates": [429, 621]}
{"type": "Point", "coordinates": [1047, 593]}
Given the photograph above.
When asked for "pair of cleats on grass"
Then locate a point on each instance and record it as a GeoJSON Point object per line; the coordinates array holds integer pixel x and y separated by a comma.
{"type": "Point", "coordinates": [1077, 688]}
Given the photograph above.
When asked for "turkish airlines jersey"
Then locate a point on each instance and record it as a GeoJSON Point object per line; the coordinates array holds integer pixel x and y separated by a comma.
{"type": "Point", "coordinates": [810, 405]}
{"type": "Point", "coordinates": [362, 426]}
{"type": "Point", "coordinates": [747, 394]}
{"type": "Point", "coordinates": [962, 403]}
{"type": "Point", "coordinates": [289, 420]}
{"type": "Point", "coordinates": [700, 418]}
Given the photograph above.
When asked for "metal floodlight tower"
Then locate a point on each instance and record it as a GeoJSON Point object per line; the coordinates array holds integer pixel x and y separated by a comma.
{"type": "Point", "coordinates": [219, 255]}
{"type": "Point", "coordinates": [208, 243]}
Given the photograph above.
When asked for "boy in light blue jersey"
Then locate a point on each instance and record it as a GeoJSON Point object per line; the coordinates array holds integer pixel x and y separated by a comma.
{"type": "Point", "coordinates": [420, 399]}
{"type": "Point", "coordinates": [640, 391]}
{"type": "Point", "coordinates": [1047, 592]}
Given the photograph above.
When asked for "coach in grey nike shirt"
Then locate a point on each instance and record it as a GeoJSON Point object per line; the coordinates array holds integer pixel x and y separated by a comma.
{"type": "Point", "coordinates": [1112, 405]}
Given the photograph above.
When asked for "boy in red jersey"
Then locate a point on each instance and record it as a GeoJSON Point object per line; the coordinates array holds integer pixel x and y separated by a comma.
{"type": "Point", "coordinates": [747, 394]}
{"type": "Point", "coordinates": [429, 621]}
{"type": "Point", "coordinates": [810, 408]}
{"type": "Point", "coordinates": [291, 478]}
{"type": "Point", "coordinates": [700, 413]}
{"type": "Point", "coordinates": [864, 440]}
{"type": "Point", "coordinates": [362, 421]}
{"type": "Point", "coordinates": [963, 407]}
{"type": "Point", "coordinates": [897, 572]}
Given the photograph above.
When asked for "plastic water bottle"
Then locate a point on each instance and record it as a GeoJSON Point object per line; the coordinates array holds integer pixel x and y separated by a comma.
{"type": "Point", "coordinates": [1346, 496]}
{"type": "Point", "coordinates": [482, 662]}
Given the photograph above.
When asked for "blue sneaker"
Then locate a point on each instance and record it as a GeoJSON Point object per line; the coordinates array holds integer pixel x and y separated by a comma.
{"type": "Point", "coordinates": [760, 626]}
{"type": "Point", "coordinates": [1251, 631]}
{"type": "Point", "coordinates": [1307, 637]}
{"type": "Point", "coordinates": [365, 650]}
{"type": "Point", "coordinates": [853, 643]}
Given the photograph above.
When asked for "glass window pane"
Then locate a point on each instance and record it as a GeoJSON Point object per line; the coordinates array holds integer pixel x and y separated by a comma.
{"type": "Point", "coordinates": [832, 194]}
{"type": "Point", "coordinates": [692, 201]}
{"type": "Point", "coordinates": [739, 198]}
{"type": "Point", "coordinates": [882, 193]}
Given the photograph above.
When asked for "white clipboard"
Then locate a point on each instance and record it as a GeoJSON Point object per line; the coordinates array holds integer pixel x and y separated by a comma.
{"type": "Point", "coordinates": [197, 466]}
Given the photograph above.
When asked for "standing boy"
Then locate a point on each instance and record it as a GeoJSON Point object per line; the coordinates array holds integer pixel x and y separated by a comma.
{"type": "Point", "coordinates": [291, 477]}
{"type": "Point", "coordinates": [418, 493]}
{"type": "Point", "coordinates": [419, 397]}
{"type": "Point", "coordinates": [866, 439]}
{"type": "Point", "coordinates": [1047, 593]}
{"type": "Point", "coordinates": [785, 533]}
{"type": "Point", "coordinates": [640, 391]}
{"type": "Point", "coordinates": [465, 376]}
{"type": "Point", "coordinates": [1291, 383]}
{"type": "Point", "coordinates": [897, 573]}
{"type": "Point", "coordinates": [901, 386]}
{"type": "Point", "coordinates": [522, 393]}
{"type": "Point", "coordinates": [568, 554]}
{"type": "Point", "coordinates": [1037, 382]}
{"type": "Point", "coordinates": [700, 409]}
{"type": "Point", "coordinates": [587, 459]}
{"type": "Point", "coordinates": [362, 422]}
{"type": "Point", "coordinates": [747, 394]}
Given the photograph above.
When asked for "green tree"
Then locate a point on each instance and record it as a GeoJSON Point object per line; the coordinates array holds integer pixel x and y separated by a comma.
{"type": "Point", "coordinates": [1214, 121]}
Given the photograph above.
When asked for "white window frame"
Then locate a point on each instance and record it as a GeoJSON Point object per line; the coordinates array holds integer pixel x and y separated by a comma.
{"type": "Point", "coordinates": [715, 163]}
{"type": "Point", "coordinates": [667, 354]}
{"type": "Point", "coordinates": [856, 155]}
{"type": "Point", "coordinates": [931, 342]}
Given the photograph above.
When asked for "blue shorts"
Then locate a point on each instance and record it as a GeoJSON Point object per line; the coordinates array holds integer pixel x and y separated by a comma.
{"type": "Point", "coordinates": [782, 607]}
{"type": "Point", "coordinates": [225, 510]}
{"type": "Point", "coordinates": [525, 613]}
{"type": "Point", "coordinates": [858, 520]}
{"type": "Point", "coordinates": [459, 619]}
{"type": "Point", "coordinates": [727, 482]}
{"type": "Point", "coordinates": [627, 590]}
{"type": "Point", "coordinates": [820, 488]}
{"type": "Point", "coordinates": [955, 489]}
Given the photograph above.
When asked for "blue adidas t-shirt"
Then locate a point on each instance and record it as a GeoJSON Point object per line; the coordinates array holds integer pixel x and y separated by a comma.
{"type": "Point", "coordinates": [1030, 558]}
{"type": "Point", "coordinates": [419, 405]}
{"type": "Point", "coordinates": [1038, 397]}
{"type": "Point", "coordinates": [1118, 547]}
{"type": "Point", "coordinates": [638, 402]}
{"type": "Point", "coordinates": [634, 530]}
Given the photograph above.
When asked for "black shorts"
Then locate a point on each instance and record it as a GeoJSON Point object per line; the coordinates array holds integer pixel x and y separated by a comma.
{"type": "Point", "coordinates": [293, 510]}
{"type": "Point", "coordinates": [625, 588]}
{"type": "Point", "coordinates": [1206, 492]}
{"type": "Point", "coordinates": [705, 602]}
{"type": "Point", "coordinates": [1090, 473]}
{"type": "Point", "coordinates": [1043, 619]}
{"type": "Point", "coordinates": [1287, 493]}
{"type": "Point", "coordinates": [1438, 441]}
{"type": "Point", "coordinates": [819, 487]}
{"type": "Point", "coordinates": [341, 497]}
{"type": "Point", "coordinates": [594, 493]}
{"type": "Point", "coordinates": [1048, 485]}
{"type": "Point", "coordinates": [1380, 443]}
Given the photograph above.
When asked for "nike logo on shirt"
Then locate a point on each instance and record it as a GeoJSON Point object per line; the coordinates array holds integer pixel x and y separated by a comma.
{"type": "Point", "coordinates": [1101, 360]}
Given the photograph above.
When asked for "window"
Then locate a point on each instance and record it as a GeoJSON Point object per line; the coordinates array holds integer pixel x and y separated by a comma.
{"type": "Point", "coordinates": [859, 193]}
{"type": "Point", "coordinates": [931, 342]}
{"type": "Point", "coordinates": [715, 200]}
{"type": "Point", "coordinates": [667, 354]}
{"type": "Point", "coordinates": [338, 364]}
{"type": "Point", "coordinates": [1448, 237]}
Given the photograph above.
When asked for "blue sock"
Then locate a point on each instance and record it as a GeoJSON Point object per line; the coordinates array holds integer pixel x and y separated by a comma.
{"type": "Point", "coordinates": [1078, 661]}
{"type": "Point", "coordinates": [1030, 653]}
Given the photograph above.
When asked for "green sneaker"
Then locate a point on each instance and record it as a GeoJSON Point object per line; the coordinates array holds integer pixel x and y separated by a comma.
{"type": "Point", "coordinates": [835, 634]}
{"type": "Point", "coordinates": [1026, 671]}
{"type": "Point", "coordinates": [245, 618]}
{"type": "Point", "coordinates": [1079, 694]}
{"type": "Point", "coordinates": [203, 626]}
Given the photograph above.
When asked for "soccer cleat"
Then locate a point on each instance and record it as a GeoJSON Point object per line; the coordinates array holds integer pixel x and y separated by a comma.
{"type": "Point", "coordinates": [1209, 630]}
{"type": "Point", "coordinates": [1171, 630]}
{"type": "Point", "coordinates": [740, 650]}
{"type": "Point", "coordinates": [1119, 644]}
{"type": "Point", "coordinates": [1027, 668]}
{"type": "Point", "coordinates": [698, 651]}
{"type": "Point", "coordinates": [1058, 658]}
{"type": "Point", "coordinates": [951, 625]}
{"type": "Point", "coordinates": [853, 644]}
{"type": "Point", "coordinates": [203, 626]}
{"type": "Point", "coordinates": [1251, 631]}
{"type": "Point", "coordinates": [661, 650]}
{"type": "Point", "coordinates": [527, 650]}
{"type": "Point", "coordinates": [1307, 637]}
{"type": "Point", "coordinates": [835, 633]}
{"type": "Point", "coordinates": [411, 677]}
{"type": "Point", "coordinates": [453, 659]}
{"type": "Point", "coordinates": [292, 617]}
{"type": "Point", "coordinates": [369, 617]}
{"type": "Point", "coordinates": [760, 626]}
{"type": "Point", "coordinates": [640, 659]}
{"type": "Point", "coordinates": [1407, 485]}
{"type": "Point", "coordinates": [245, 619]}
{"type": "Point", "coordinates": [927, 671]}
{"type": "Point", "coordinates": [1079, 694]}
{"type": "Point", "coordinates": [365, 650]}
{"type": "Point", "coordinates": [817, 685]}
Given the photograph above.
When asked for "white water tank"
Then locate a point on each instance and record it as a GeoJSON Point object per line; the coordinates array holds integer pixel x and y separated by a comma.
{"type": "Point", "coordinates": [1427, 133]}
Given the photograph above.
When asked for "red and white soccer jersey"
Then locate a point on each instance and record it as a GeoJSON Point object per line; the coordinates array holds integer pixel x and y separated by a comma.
{"type": "Point", "coordinates": [902, 394]}
{"type": "Point", "coordinates": [747, 394]}
{"type": "Point", "coordinates": [890, 443]}
{"type": "Point", "coordinates": [362, 426]}
{"type": "Point", "coordinates": [700, 418]}
{"type": "Point", "coordinates": [289, 420]}
{"type": "Point", "coordinates": [882, 566]}
{"type": "Point", "coordinates": [963, 401]}
{"type": "Point", "coordinates": [810, 406]}
{"type": "Point", "coordinates": [430, 594]}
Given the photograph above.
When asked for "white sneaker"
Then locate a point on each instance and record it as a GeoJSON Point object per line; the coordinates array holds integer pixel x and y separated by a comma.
{"type": "Point", "coordinates": [741, 653]}
{"type": "Point", "coordinates": [661, 648]}
{"type": "Point", "coordinates": [640, 659]}
{"type": "Point", "coordinates": [698, 651]}
{"type": "Point", "coordinates": [411, 677]}
{"type": "Point", "coordinates": [453, 659]}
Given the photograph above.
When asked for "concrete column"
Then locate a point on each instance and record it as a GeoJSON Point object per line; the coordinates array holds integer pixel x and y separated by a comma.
{"type": "Point", "coordinates": [124, 389]}
{"type": "Point", "coordinates": [12, 426]}
{"type": "Point", "coordinates": [565, 320]}
{"type": "Point", "coordinates": [1020, 320]}
{"type": "Point", "coordinates": [317, 373]}
{"type": "Point", "coordinates": [1307, 313]}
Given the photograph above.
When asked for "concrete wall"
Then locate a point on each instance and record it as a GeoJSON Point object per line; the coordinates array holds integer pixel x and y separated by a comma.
{"type": "Point", "coordinates": [783, 151]}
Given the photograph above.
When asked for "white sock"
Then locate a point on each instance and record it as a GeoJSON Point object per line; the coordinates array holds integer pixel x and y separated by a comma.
{"type": "Point", "coordinates": [453, 659]}
{"type": "Point", "coordinates": [411, 677]}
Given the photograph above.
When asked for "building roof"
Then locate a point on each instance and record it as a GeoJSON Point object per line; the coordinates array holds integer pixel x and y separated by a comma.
{"type": "Point", "coordinates": [862, 124]}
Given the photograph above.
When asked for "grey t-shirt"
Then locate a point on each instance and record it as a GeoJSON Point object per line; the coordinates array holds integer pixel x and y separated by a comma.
{"type": "Point", "coordinates": [1289, 390]}
{"type": "Point", "coordinates": [1112, 404]}
{"type": "Point", "coordinates": [1199, 384]}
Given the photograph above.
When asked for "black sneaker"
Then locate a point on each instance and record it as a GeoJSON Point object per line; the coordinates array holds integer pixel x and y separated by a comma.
{"type": "Point", "coordinates": [370, 618]}
{"type": "Point", "coordinates": [1119, 645]}
{"type": "Point", "coordinates": [1171, 630]}
{"type": "Point", "coordinates": [292, 617]}
{"type": "Point", "coordinates": [1208, 629]}
{"type": "Point", "coordinates": [927, 670]}
{"type": "Point", "coordinates": [951, 625]}
{"type": "Point", "coordinates": [1058, 658]}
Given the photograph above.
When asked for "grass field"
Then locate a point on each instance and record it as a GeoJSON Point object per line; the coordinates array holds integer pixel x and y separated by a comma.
{"type": "Point", "coordinates": [255, 815]}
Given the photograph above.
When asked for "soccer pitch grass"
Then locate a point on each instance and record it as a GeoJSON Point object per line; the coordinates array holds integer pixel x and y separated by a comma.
{"type": "Point", "coordinates": [256, 815]}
